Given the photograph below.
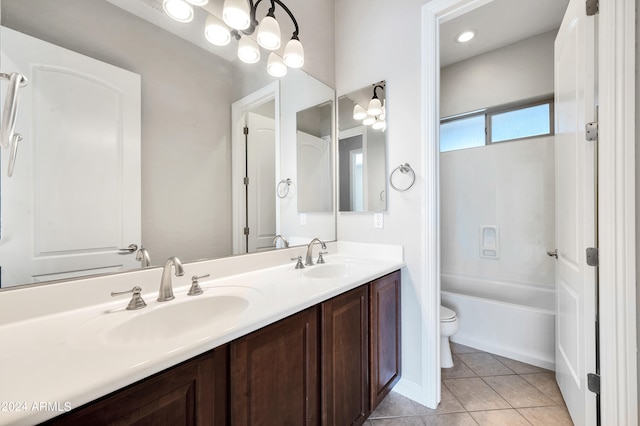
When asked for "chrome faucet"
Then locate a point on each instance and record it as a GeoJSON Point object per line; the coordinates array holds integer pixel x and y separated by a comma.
{"type": "Point", "coordinates": [143, 257]}
{"type": "Point", "coordinates": [309, 259]}
{"type": "Point", "coordinates": [280, 237]}
{"type": "Point", "coordinates": [166, 289]}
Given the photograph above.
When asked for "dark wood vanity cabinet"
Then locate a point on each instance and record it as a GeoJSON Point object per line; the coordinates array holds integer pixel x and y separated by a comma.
{"type": "Point", "coordinates": [274, 373]}
{"type": "Point", "coordinates": [330, 364]}
{"type": "Point", "coordinates": [192, 393]}
{"type": "Point", "coordinates": [384, 321]}
{"type": "Point", "coordinates": [345, 358]}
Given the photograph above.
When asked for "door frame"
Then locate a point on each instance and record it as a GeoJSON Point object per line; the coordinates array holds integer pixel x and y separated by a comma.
{"type": "Point", "coordinates": [616, 202]}
{"type": "Point", "coordinates": [239, 109]}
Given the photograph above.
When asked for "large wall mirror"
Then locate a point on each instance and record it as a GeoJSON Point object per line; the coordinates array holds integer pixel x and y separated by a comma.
{"type": "Point", "coordinates": [362, 149]}
{"type": "Point", "coordinates": [129, 142]}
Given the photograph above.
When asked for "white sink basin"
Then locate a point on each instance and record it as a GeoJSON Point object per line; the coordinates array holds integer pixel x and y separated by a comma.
{"type": "Point", "coordinates": [328, 270]}
{"type": "Point", "coordinates": [217, 308]}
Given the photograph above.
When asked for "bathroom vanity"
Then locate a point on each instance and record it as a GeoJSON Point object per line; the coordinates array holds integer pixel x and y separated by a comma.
{"type": "Point", "coordinates": [314, 346]}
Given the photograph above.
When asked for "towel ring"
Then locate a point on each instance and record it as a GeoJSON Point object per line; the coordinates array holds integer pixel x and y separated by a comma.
{"type": "Point", "coordinates": [404, 169]}
{"type": "Point", "coordinates": [283, 191]}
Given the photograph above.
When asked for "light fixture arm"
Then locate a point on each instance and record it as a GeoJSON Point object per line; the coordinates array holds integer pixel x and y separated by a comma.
{"type": "Point", "coordinates": [270, 12]}
{"type": "Point", "coordinates": [375, 95]}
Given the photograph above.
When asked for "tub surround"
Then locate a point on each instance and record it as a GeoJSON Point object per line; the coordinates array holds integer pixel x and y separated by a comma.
{"type": "Point", "coordinates": [54, 351]}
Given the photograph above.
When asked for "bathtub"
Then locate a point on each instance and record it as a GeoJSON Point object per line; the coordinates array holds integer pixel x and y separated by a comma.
{"type": "Point", "coordinates": [508, 319]}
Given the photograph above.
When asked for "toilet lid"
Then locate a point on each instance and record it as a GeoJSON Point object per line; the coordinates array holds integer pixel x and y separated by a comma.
{"type": "Point", "coordinates": [446, 314]}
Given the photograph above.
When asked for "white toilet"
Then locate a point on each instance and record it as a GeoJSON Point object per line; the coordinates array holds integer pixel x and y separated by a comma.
{"type": "Point", "coordinates": [448, 327]}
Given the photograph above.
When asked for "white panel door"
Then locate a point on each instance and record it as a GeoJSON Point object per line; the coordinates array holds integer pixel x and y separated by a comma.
{"type": "Point", "coordinates": [74, 198]}
{"type": "Point", "coordinates": [314, 173]}
{"type": "Point", "coordinates": [575, 211]}
{"type": "Point", "coordinates": [261, 169]}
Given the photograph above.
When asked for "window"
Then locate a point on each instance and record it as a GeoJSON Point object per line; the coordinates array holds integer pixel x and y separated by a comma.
{"type": "Point", "coordinates": [496, 125]}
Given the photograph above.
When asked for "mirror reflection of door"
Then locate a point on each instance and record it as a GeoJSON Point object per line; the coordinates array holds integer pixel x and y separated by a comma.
{"type": "Point", "coordinates": [352, 170]}
{"type": "Point", "coordinates": [261, 196]}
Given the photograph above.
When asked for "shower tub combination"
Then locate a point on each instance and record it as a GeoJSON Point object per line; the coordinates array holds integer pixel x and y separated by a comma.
{"type": "Point", "coordinates": [513, 320]}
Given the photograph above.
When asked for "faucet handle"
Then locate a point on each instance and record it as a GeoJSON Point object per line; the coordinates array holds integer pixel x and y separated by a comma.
{"type": "Point", "coordinates": [299, 265]}
{"type": "Point", "coordinates": [195, 287]}
{"type": "Point", "coordinates": [320, 258]}
{"type": "Point", "coordinates": [136, 302]}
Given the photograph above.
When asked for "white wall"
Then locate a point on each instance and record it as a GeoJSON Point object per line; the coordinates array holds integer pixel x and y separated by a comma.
{"type": "Point", "coordinates": [509, 185]}
{"type": "Point", "coordinates": [638, 186]}
{"type": "Point", "coordinates": [520, 71]}
{"type": "Point", "coordinates": [380, 40]}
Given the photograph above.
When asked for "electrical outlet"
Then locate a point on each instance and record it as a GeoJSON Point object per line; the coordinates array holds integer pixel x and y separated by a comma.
{"type": "Point", "coordinates": [378, 220]}
{"type": "Point", "coordinates": [303, 219]}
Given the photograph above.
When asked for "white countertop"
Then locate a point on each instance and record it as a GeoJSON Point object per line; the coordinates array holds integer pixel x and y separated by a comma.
{"type": "Point", "coordinates": [54, 356]}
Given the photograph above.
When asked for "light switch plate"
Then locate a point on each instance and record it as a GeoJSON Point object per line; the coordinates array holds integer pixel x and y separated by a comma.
{"type": "Point", "coordinates": [378, 220]}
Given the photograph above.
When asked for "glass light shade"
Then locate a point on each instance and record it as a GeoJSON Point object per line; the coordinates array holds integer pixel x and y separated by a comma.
{"type": "Point", "coordinates": [369, 120]}
{"type": "Point", "coordinates": [294, 54]}
{"type": "Point", "coordinates": [359, 113]}
{"type": "Point", "coordinates": [178, 10]}
{"type": "Point", "coordinates": [375, 107]}
{"type": "Point", "coordinates": [216, 32]}
{"type": "Point", "coordinates": [235, 13]}
{"type": "Point", "coordinates": [275, 66]}
{"type": "Point", "coordinates": [248, 50]}
{"type": "Point", "coordinates": [269, 33]}
{"type": "Point", "coordinates": [198, 2]}
{"type": "Point", "coordinates": [379, 124]}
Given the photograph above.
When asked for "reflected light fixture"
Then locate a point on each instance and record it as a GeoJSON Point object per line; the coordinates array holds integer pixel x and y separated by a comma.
{"type": "Point", "coordinates": [248, 50]}
{"type": "Point", "coordinates": [359, 113]}
{"type": "Point", "coordinates": [375, 106]}
{"type": "Point", "coordinates": [178, 10]}
{"type": "Point", "coordinates": [369, 120]}
{"type": "Point", "coordinates": [198, 2]}
{"type": "Point", "coordinates": [237, 14]}
{"type": "Point", "coordinates": [465, 36]}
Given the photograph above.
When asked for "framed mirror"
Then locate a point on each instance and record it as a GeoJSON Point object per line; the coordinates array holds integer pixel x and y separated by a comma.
{"type": "Point", "coordinates": [362, 150]}
{"type": "Point", "coordinates": [67, 210]}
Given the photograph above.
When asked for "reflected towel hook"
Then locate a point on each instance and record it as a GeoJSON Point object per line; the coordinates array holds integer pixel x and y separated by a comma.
{"type": "Point", "coordinates": [403, 169]}
{"type": "Point", "coordinates": [283, 191]}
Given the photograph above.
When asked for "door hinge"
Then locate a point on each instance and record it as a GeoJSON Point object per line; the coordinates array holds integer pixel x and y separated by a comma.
{"type": "Point", "coordinates": [591, 130]}
{"type": "Point", "coordinates": [592, 256]}
{"type": "Point", "coordinates": [593, 7]}
{"type": "Point", "coordinates": [593, 383]}
{"type": "Point", "coordinates": [246, 180]}
{"type": "Point", "coordinates": [245, 130]}
{"type": "Point", "coordinates": [246, 230]}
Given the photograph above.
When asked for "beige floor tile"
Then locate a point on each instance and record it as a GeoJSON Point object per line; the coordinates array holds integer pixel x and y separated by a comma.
{"type": "Point", "coordinates": [457, 348]}
{"type": "Point", "coordinates": [448, 404]}
{"type": "Point", "coordinates": [499, 418]}
{"type": "Point", "coordinates": [475, 395]}
{"type": "Point", "coordinates": [517, 391]}
{"type": "Point", "coordinates": [546, 383]}
{"type": "Point", "coordinates": [397, 421]}
{"type": "Point", "coordinates": [547, 416]}
{"type": "Point", "coordinates": [520, 367]}
{"type": "Point", "coordinates": [458, 370]}
{"type": "Point", "coordinates": [456, 419]}
{"type": "Point", "coordinates": [394, 405]}
{"type": "Point", "coordinates": [484, 364]}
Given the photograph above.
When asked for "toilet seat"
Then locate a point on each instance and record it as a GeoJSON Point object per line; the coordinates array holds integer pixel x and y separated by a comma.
{"type": "Point", "coordinates": [447, 315]}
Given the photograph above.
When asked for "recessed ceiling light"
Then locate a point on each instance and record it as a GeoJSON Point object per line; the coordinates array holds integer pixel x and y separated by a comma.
{"type": "Point", "coordinates": [465, 36]}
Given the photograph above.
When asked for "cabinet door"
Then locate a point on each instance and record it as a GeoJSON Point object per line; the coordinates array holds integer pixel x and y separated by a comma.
{"type": "Point", "coordinates": [274, 374]}
{"type": "Point", "coordinates": [182, 395]}
{"type": "Point", "coordinates": [385, 335]}
{"type": "Point", "coordinates": [345, 356]}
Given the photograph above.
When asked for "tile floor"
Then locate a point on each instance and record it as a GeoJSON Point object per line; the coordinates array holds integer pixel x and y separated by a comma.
{"type": "Point", "coordinates": [482, 389]}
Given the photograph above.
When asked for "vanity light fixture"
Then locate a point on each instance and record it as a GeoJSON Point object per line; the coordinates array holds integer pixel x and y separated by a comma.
{"type": "Point", "coordinates": [239, 21]}
{"type": "Point", "coordinates": [369, 120]}
{"type": "Point", "coordinates": [465, 36]}
{"type": "Point", "coordinates": [216, 32]}
{"type": "Point", "coordinates": [178, 10]}
{"type": "Point", "coordinates": [375, 114]}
